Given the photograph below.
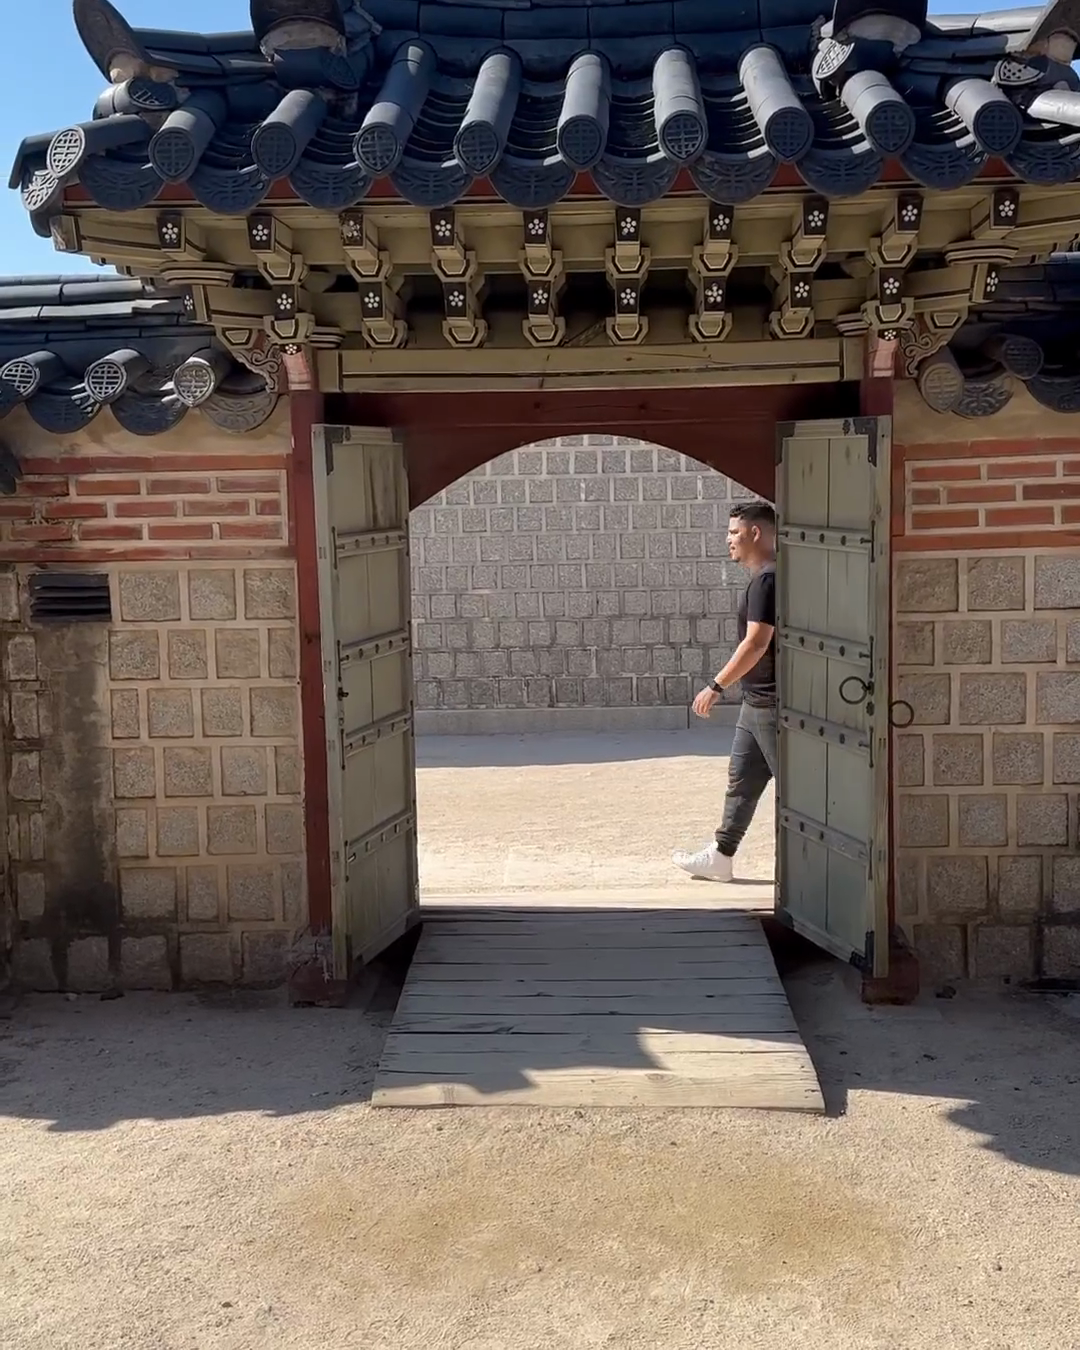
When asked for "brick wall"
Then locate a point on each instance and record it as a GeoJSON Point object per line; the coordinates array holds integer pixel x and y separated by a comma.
{"type": "Point", "coordinates": [154, 799]}
{"type": "Point", "coordinates": [588, 572]}
{"type": "Point", "coordinates": [986, 645]}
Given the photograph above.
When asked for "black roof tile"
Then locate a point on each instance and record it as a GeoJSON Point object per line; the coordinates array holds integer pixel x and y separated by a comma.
{"type": "Point", "coordinates": [392, 94]}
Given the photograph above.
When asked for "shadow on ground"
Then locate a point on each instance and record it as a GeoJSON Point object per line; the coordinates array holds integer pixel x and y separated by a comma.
{"type": "Point", "coordinates": [707, 740]}
{"type": "Point", "coordinates": [1006, 1063]}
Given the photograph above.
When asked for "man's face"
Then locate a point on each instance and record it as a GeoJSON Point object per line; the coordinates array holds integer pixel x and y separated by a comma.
{"type": "Point", "coordinates": [743, 539]}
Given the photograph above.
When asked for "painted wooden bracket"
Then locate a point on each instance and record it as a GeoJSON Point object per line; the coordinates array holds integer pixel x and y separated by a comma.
{"type": "Point", "coordinates": [457, 270]}
{"type": "Point", "coordinates": [627, 265]}
{"type": "Point", "coordinates": [711, 265]}
{"type": "Point", "coordinates": [381, 319]}
{"type": "Point", "coordinates": [542, 267]}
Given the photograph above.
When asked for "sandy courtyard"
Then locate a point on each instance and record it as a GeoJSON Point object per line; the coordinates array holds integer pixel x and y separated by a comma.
{"type": "Point", "coordinates": [205, 1173]}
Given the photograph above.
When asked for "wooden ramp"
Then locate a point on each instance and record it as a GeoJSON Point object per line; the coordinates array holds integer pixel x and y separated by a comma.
{"type": "Point", "coordinates": [594, 1007]}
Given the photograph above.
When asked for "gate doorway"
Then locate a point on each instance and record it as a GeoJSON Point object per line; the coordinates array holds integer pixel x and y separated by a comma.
{"type": "Point", "coordinates": [833, 857]}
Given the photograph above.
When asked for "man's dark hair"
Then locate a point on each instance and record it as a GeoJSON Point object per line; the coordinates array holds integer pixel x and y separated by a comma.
{"type": "Point", "coordinates": [760, 514]}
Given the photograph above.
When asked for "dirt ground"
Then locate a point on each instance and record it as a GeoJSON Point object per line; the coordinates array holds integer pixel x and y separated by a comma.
{"type": "Point", "coordinates": [205, 1173]}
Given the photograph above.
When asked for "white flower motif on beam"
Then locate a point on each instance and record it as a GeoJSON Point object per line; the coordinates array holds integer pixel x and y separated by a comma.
{"type": "Point", "coordinates": [714, 294]}
{"type": "Point", "coordinates": [909, 214]}
{"type": "Point", "coordinates": [444, 229]}
{"type": "Point", "coordinates": [540, 297]}
{"type": "Point", "coordinates": [170, 234]}
{"type": "Point", "coordinates": [1007, 208]}
{"type": "Point", "coordinates": [456, 299]}
{"type": "Point", "coordinates": [890, 286]}
{"type": "Point", "coordinates": [260, 233]}
{"type": "Point", "coordinates": [815, 220]}
{"type": "Point", "coordinates": [536, 227]}
{"type": "Point", "coordinates": [992, 279]}
{"type": "Point", "coordinates": [801, 290]}
{"type": "Point", "coordinates": [628, 226]}
{"type": "Point", "coordinates": [285, 302]}
{"type": "Point", "coordinates": [628, 298]}
{"type": "Point", "coordinates": [372, 300]}
{"type": "Point", "coordinates": [721, 222]}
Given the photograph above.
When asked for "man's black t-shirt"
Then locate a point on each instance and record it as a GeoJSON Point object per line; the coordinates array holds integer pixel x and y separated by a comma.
{"type": "Point", "coordinates": [758, 605]}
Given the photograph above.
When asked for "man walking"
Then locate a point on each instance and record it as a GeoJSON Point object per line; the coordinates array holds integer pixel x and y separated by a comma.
{"type": "Point", "coordinates": [752, 542]}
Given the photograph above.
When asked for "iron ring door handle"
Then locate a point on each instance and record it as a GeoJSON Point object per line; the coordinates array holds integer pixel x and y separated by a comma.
{"type": "Point", "coordinates": [862, 693]}
{"type": "Point", "coordinates": [901, 703]}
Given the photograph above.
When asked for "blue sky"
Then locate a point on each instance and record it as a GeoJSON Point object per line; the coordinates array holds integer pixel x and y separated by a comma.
{"type": "Point", "coordinates": [47, 81]}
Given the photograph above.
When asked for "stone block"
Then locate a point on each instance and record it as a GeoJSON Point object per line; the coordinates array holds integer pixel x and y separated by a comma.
{"type": "Point", "coordinates": [222, 712]}
{"type": "Point", "coordinates": [149, 597]}
{"type": "Point", "coordinates": [929, 697]}
{"type": "Point", "coordinates": [264, 958]}
{"type": "Point", "coordinates": [941, 952]}
{"type": "Point", "coordinates": [148, 892]}
{"type": "Point", "coordinates": [293, 897]}
{"type": "Point", "coordinates": [170, 713]}
{"type": "Point", "coordinates": [178, 832]}
{"type": "Point", "coordinates": [269, 593]}
{"type": "Point", "coordinates": [1057, 581]}
{"type": "Point", "coordinates": [995, 583]}
{"type": "Point", "coordinates": [30, 895]}
{"type": "Point", "coordinates": [957, 885]}
{"type": "Point", "coordinates": [1057, 696]}
{"type": "Point", "coordinates": [33, 966]}
{"type": "Point", "coordinates": [926, 585]}
{"type": "Point", "coordinates": [1061, 952]}
{"type": "Point", "coordinates": [957, 760]}
{"type": "Point", "coordinates": [1017, 757]}
{"type": "Point", "coordinates": [1028, 641]}
{"type": "Point", "coordinates": [1003, 951]}
{"type": "Point", "coordinates": [212, 594]}
{"type": "Point", "coordinates": [9, 597]}
{"type": "Point", "coordinates": [20, 658]}
{"type": "Point", "coordinates": [914, 644]}
{"type": "Point", "coordinates": [24, 782]}
{"type": "Point", "coordinates": [231, 830]}
{"type": "Point", "coordinates": [88, 966]}
{"type": "Point", "coordinates": [273, 712]}
{"type": "Point", "coordinates": [126, 720]}
{"type": "Point", "coordinates": [188, 772]}
{"type": "Point", "coordinates": [988, 699]}
{"type": "Point", "coordinates": [134, 773]}
{"type": "Point", "coordinates": [187, 654]}
{"type": "Point", "coordinates": [207, 958]}
{"type": "Point", "coordinates": [132, 833]}
{"type": "Point", "coordinates": [252, 891]}
{"type": "Point", "coordinates": [1019, 888]}
{"type": "Point", "coordinates": [1072, 641]}
{"type": "Point", "coordinates": [1065, 888]}
{"type": "Point", "coordinates": [967, 642]}
{"type": "Point", "coordinates": [923, 820]}
{"type": "Point", "coordinates": [1066, 757]}
{"type": "Point", "coordinates": [203, 898]}
{"type": "Point", "coordinates": [1042, 818]}
{"type": "Point", "coordinates": [236, 654]}
{"type": "Point", "coordinates": [25, 725]}
{"type": "Point", "coordinates": [983, 820]}
{"type": "Point", "coordinates": [244, 771]}
{"type": "Point", "coordinates": [282, 649]}
{"type": "Point", "coordinates": [134, 656]}
{"type": "Point", "coordinates": [144, 963]}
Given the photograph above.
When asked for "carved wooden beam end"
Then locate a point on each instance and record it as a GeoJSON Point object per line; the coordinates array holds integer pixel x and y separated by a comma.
{"type": "Point", "coordinates": [627, 265]}
{"type": "Point", "coordinates": [542, 267]}
{"type": "Point", "coordinates": [711, 265]}
{"type": "Point", "coordinates": [457, 270]}
{"type": "Point", "coordinates": [800, 257]}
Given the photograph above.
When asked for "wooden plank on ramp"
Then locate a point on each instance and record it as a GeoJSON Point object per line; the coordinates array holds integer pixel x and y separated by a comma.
{"type": "Point", "coordinates": [594, 1008]}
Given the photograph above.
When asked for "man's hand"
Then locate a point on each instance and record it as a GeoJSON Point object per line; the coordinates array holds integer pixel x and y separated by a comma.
{"type": "Point", "coordinates": [705, 702]}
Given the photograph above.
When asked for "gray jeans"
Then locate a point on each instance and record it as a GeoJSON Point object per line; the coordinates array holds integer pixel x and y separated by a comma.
{"type": "Point", "coordinates": [752, 765]}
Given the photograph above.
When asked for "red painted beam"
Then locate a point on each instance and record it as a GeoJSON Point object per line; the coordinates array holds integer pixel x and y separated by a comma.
{"type": "Point", "coordinates": [306, 410]}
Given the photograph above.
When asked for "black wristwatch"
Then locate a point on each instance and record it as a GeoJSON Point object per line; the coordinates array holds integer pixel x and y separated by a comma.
{"type": "Point", "coordinates": [716, 688]}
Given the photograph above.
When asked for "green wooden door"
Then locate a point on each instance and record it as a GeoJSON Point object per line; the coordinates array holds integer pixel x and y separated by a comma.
{"type": "Point", "coordinates": [832, 685]}
{"type": "Point", "coordinates": [362, 518]}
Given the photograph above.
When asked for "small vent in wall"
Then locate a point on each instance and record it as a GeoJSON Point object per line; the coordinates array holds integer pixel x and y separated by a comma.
{"type": "Point", "coordinates": [70, 597]}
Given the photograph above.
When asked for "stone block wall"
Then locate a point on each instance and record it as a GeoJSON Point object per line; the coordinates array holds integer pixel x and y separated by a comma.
{"type": "Point", "coordinates": [986, 651]}
{"type": "Point", "coordinates": [588, 572]}
{"type": "Point", "coordinates": [154, 793]}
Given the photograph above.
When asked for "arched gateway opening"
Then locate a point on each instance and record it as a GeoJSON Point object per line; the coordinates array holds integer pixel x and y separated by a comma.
{"type": "Point", "coordinates": [569, 598]}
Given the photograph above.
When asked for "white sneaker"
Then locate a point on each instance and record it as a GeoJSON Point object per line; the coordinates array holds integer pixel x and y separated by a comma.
{"type": "Point", "coordinates": [707, 865]}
